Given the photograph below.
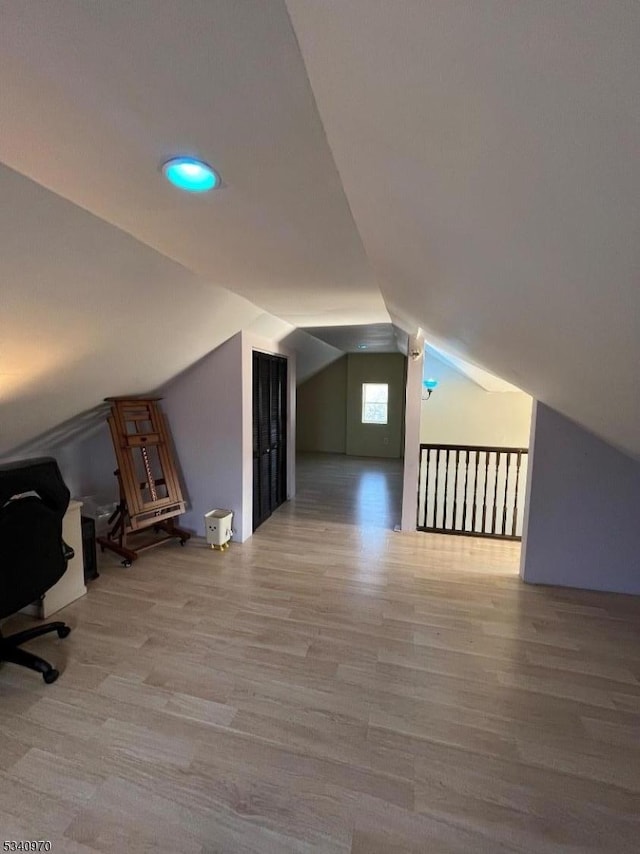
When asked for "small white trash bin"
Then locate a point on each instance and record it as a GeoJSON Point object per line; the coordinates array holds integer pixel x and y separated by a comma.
{"type": "Point", "coordinates": [217, 525]}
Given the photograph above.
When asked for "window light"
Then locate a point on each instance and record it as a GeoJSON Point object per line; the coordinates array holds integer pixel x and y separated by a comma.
{"type": "Point", "coordinates": [375, 403]}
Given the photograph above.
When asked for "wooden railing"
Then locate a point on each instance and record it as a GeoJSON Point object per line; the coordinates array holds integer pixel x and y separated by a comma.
{"type": "Point", "coordinates": [474, 490]}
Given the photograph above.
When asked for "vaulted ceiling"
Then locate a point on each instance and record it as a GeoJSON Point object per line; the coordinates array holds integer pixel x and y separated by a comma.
{"type": "Point", "coordinates": [95, 96]}
{"type": "Point", "coordinates": [489, 153]}
{"type": "Point", "coordinates": [469, 168]}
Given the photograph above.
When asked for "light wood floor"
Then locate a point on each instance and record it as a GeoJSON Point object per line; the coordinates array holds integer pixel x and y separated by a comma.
{"type": "Point", "coordinates": [329, 688]}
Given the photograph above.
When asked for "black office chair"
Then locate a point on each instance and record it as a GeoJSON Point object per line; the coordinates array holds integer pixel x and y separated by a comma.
{"type": "Point", "coordinates": [33, 555]}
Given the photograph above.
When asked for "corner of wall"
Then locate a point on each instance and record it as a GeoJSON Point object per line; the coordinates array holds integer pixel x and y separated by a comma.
{"type": "Point", "coordinates": [413, 405]}
{"type": "Point", "coordinates": [527, 492]}
{"type": "Point", "coordinates": [583, 498]}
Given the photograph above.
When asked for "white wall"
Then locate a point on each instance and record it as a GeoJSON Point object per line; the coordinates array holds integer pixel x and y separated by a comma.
{"type": "Point", "coordinates": [583, 519]}
{"type": "Point", "coordinates": [460, 412]}
{"type": "Point", "coordinates": [412, 417]}
{"type": "Point", "coordinates": [312, 354]}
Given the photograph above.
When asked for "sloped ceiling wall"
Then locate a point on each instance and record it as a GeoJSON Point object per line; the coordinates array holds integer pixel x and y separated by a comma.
{"type": "Point", "coordinates": [489, 153]}
{"type": "Point", "coordinates": [95, 96]}
{"type": "Point", "coordinates": [104, 315]}
{"type": "Point", "coordinates": [486, 190]}
{"type": "Point", "coordinates": [86, 311]}
{"type": "Point", "coordinates": [112, 281]}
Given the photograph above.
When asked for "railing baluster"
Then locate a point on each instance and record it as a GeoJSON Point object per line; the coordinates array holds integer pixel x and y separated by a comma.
{"type": "Point", "coordinates": [466, 480]}
{"type": "Point", "coordinates": [423, 485]}
{"type": "Point", "coordinates": [455, 493]}
{"type": "Point", "coordinates": [433, 487]}
{"type": "Point", "coordinates": [506, 487]}
{"type": "Point", "coordinates": [515, 501]}
{"type": "Point", "coordinates": [426, 488]}
{"type": "Point", "coordinates": [420, 481]}
{"type": "Point", "coordinates": [446, 486]}
{"type": "Point", "coordinates": [475, 493]}
{"type": "Point", "coordinates": [435, 493]}
{"type": "Point", "coordinates": [495, 494]}
{"type": "Point", "coordinates": [486, 481]}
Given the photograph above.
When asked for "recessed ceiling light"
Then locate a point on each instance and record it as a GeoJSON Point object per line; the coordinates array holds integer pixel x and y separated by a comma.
{"type": "Point", "coordinates": [362, 346]}
{"type": "Point", "coordinates": [187, 173]}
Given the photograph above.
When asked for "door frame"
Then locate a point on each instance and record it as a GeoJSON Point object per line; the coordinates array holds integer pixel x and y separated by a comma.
{"type": "Point", "coordinates": [251, 342]}
{"type": "Point", "coordinates": [273, 369]}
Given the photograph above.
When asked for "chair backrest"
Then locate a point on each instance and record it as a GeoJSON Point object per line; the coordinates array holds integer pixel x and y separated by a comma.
{"type": "Point", "coordinates": [33, 501]}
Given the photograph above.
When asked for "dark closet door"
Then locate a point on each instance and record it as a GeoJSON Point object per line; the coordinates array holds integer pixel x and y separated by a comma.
{"type": "Point", "coordinates": [269, 435]}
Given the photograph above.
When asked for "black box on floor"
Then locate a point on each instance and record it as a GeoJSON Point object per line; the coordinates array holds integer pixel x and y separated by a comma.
{"type": "Point", "coordinates": [89, 548]}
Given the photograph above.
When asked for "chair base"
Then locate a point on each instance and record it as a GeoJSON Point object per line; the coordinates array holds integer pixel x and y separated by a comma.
{"type": "Point", "coordinates": [10, 649]}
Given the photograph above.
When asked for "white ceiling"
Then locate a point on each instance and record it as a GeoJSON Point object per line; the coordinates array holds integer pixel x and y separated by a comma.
{"type": "Point", "coordinates": [483, 378]}
{"type": "Point", "coordinates": [95, 96]}
{"type": "Point", "coordinates": [368, 337]}
{"type": "Point", "coordinates": [469, 168]}
{"type": "Point", "coordinates": [489, 153]}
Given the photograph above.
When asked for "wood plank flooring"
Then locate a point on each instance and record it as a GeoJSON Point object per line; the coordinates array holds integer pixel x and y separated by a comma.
{"type": "Point", "coordinates": [329, 686]}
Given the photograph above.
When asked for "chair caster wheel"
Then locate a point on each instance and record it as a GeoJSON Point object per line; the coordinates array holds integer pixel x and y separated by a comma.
{"type": "Point", "coordinates": [182, 542]}
{"type": "Point", "coordinates": [126, 563]}
{"type": "Point", "coordinates": [64, 631]}
{"type": "Point", "coordinates": [50, 676]}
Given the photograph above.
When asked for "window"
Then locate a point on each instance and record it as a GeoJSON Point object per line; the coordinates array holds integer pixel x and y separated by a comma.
{"type": "Point", "coordinates": [375, 403]}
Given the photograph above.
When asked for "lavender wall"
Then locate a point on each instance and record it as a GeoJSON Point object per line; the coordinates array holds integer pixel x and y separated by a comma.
{"type": "Point", "coordinates": [209, 414]}
{"type": "Point", "coordinates": [88, 465]}
{"type": "Point", "coordinates": [583, 525]}
{"type": "Point", "coordinates": [204, 410]}
{"type": "Point", "coordinates": [209, 409]}
{"type": "Point", "coordinates": [203, 407]}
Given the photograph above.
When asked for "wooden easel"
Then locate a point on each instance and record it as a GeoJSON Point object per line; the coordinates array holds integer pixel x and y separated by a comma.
{"type": "Point", "coordinates": [150, 495]}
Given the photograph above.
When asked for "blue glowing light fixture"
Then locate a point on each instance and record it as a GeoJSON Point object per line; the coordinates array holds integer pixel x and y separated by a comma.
{"type": "Point", "coordinates": [190, 174]}
{"type": "Point", "coordinates": [428, 386]}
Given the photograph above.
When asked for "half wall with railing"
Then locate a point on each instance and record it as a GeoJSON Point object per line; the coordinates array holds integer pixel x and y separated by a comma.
{"type": "Point", "coordinates": [474, 490]}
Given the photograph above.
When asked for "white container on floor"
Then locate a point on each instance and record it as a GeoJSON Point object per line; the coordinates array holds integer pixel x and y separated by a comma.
{"type": "Point", "coordinates": [218, 528]}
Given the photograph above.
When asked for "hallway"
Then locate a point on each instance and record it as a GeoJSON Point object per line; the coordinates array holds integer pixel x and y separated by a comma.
{"type": "Point", "coordinates": [362, 491]}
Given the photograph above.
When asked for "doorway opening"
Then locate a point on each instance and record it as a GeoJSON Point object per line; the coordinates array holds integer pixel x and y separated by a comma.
{"type": "Point", "coordinates": [269, 435]}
